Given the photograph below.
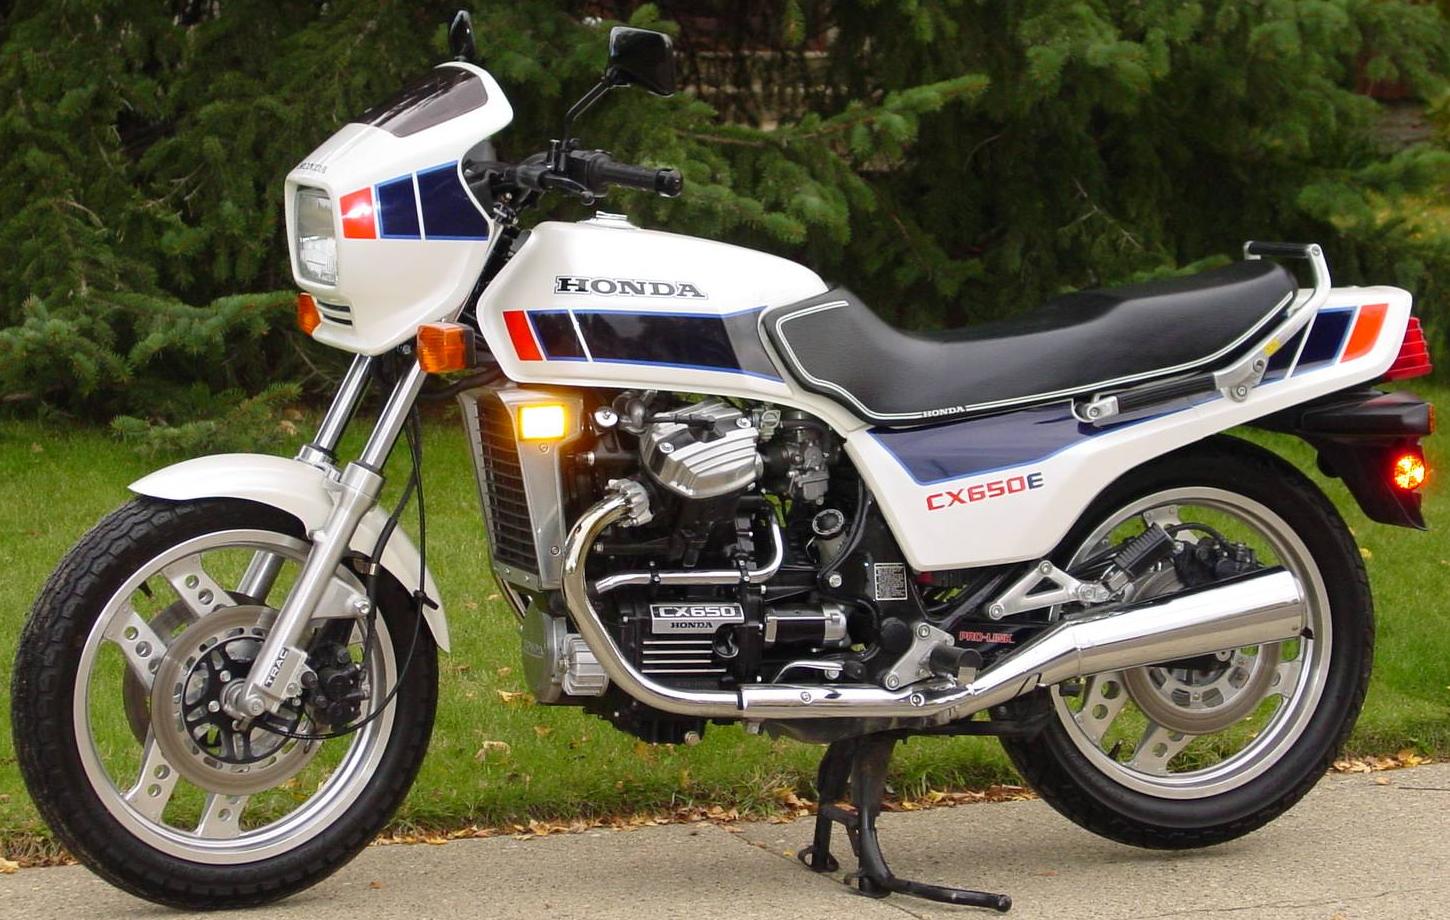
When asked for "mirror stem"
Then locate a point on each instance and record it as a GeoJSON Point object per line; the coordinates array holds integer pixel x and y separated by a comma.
{"type": "Point", "coordinates": [561, 148]}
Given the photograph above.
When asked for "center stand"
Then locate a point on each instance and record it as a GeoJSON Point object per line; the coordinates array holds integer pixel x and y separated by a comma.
{"type": "Point", "coordinates": [859, 764]}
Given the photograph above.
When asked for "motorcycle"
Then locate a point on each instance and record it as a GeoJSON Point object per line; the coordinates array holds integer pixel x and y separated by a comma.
{"type": "Point", "coordinates": [718, 490]}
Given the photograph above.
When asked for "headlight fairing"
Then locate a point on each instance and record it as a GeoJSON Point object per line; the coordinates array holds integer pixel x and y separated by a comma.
{"type": "Point", "coordinates": [316, 237]}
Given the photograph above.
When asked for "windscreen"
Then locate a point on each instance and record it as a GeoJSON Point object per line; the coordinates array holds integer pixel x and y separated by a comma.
{"type": "Point", "coordinates": [443, 94]}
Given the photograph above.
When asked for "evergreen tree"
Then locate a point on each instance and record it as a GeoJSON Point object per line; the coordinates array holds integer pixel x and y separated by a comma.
{"type": "Point", "coordinates": [950, 160]}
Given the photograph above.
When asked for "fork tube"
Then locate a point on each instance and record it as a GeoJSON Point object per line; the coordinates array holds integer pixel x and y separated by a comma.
{"type": "Point", "coordinates": [261, 572]}
{"type": "Point", "coordinates": [280, 664]}
{"type": "Point", "coordinates": [344, 404]}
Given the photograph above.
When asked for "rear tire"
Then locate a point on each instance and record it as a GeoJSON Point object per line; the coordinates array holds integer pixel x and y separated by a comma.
{"type": "Point", "coordinates": [1093, 792]}
{"type": "Point", "coordinates": [67, 795]}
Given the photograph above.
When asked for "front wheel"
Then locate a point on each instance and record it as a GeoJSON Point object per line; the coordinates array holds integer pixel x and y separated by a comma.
{"type": "Point", "coordinates": [1192, 753]}
{"type": "Point", "coordinates": [116, 709]}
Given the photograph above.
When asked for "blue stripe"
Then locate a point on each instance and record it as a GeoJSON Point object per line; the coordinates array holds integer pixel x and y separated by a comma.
{"type": "Point", "coordinates": [398, 210]}
{"type": "Point", "coordinates": [1326, 337]}
{"type": "Point", "coordinates": [977, 446]}
{"type": "Point", "coordinates": [448, 212]}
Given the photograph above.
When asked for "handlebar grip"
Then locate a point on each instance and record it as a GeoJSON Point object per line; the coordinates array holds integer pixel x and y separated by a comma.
{"type": "Point", "coordinates": [602, 171]}
{"type": "Point", "coordinates": [1279, 250]}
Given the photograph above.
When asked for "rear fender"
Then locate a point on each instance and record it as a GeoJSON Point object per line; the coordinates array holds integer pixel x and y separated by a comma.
{"type": "Point", "coordinates": [1359, 434]}
{"type": "Point", "coordinates": [302, 491]}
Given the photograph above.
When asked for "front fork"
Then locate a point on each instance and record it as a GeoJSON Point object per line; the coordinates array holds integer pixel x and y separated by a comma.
{"type": "Point", "coordinates": [280, 663]}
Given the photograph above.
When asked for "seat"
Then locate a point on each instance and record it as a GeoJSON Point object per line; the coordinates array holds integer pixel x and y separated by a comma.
{"type": "Point", "coordinates": [1075, 344]}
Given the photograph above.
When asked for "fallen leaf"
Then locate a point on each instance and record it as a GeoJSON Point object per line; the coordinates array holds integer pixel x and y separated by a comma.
{"type": "Point", "coordinates": [489, 747]}
{"type": "Point", "coordinates": [36, 449]}
{"type": "Point", "coordinates": [504, 671]}
{"type": "Point", "coordinates": [1365, 553]}
{"type": "Point", "coordinates": [514, 696]}
{"type": "Point", "coordinates": [543, 731]}
{"type": "Point", "coordinates": [7, 867]}
{"type": "Point", "coordinates": [1381, 781]}
{"type": "Point", "coordinates": [375, 885]}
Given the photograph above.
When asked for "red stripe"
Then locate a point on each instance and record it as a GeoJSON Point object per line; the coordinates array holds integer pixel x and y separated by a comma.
{"type": "Point", "coordinates": [1366, 330]}
{"type": "Point", "coordinates": [359, 221]}
{"type": "Point", "coordinates": [522, 335]}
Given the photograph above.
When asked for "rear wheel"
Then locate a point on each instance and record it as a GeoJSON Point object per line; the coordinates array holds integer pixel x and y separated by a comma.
{"type": "Point", "coordinates": [118, 728]}
{"type": "Point", "coordinates": [1193, 753]}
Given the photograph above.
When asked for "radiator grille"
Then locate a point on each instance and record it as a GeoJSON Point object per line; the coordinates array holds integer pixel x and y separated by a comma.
{"type": "Point", "coordinates": [510, 529]}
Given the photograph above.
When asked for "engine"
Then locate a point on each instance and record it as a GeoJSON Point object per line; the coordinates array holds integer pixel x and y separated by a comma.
{"type": "Point", "coordinates": [763, 560]}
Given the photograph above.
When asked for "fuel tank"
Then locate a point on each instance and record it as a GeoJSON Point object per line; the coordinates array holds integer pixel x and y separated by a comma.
{"type": "Point", "coordinates": [604, 303]}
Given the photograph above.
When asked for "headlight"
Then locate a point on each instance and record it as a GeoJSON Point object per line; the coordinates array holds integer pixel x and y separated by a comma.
{"type": "Point", "coordinates": [316, 239]}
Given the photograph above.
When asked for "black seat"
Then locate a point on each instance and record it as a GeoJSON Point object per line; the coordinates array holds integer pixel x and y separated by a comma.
{"type": "Point", "coordinates": [1078, 343]}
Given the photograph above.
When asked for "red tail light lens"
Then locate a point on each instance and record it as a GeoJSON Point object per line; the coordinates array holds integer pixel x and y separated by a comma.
{"type": "Point", "coordinates": [1409, 471]}
{"type": "Point", "coordinates": [1414, 356]}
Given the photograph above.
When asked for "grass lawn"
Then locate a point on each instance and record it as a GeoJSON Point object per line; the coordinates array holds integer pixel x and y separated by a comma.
{"type": "Point", "coordinates": [558, 762]}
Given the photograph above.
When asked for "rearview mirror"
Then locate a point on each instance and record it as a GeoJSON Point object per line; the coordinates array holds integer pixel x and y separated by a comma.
{"type": "Point", "coordinates": [642, 58]}
{"type": "Point", "coordinates": [460, 37]}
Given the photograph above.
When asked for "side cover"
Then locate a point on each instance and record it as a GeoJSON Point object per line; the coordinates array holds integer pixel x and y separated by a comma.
{"type": "Point", "coordinates": [300, 490]}
{"type": "Point", "coordinates": [1004, 488]}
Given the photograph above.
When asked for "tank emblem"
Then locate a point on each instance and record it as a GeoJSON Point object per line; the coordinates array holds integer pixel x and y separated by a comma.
{"type": "Point", "coordinates": [625, 287]}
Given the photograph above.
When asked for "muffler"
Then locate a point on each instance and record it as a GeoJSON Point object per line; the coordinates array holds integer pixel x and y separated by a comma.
{"type": "Point", "coordinates": [1251, 610]}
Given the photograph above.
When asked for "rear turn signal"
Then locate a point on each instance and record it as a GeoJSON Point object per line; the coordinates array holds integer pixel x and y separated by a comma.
{"type": "Point", "coordinates": [1409, 471]}
{"type": "Point", "coordinates": [308, 318]}
{"type": "Point", "coordinates": [543, 422]}
{"type": "Point", "coordinates": [1414, 357]}
{"type": "Point", "coordinates": [444, 347]}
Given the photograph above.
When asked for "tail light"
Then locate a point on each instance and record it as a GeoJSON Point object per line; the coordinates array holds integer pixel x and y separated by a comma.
{"type": "Point", "coordinates": [1409, 470]}
{"type": "Point", "coordinates": [1414, 357]}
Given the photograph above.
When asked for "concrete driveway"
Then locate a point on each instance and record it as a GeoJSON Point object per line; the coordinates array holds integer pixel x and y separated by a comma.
{"type": "Point", "coordinates": [1360, 846]}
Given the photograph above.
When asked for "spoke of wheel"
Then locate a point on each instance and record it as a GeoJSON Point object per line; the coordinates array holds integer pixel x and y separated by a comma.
{"type": "Point", "coordinates": [154, 784]}
{"type": "Point", "coordinates": [1286, 676]}
{"type": "Point", "coordinates": [1156, 748]}
{"type": "Point", "coordinates": [140, 644]}
{"type": "Point", "coordinates": [197, 590]}
{"type": "Point", "coordinates": [221, 818]}
{"type": "Point", "coordinates": [1098, 711]}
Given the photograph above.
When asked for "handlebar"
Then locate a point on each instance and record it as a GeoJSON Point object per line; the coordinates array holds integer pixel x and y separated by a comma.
{"type": "Point", "coordinates": [597, 171]}
{"type": "Point", "coordinates": [585, 173]}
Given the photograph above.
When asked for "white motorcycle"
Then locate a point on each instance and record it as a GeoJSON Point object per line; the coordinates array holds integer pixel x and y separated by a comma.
{"type": "Point", "coordinates": [719, 490]}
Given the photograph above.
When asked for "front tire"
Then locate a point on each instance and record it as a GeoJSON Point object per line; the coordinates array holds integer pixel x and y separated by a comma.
{"type": "Point", "coordinates": [1172, 788]}
{"type": "Point", "coordinates": [177, 833]}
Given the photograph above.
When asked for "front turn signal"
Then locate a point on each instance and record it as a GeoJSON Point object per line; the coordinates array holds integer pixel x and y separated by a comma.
{"type": "Point", "coordinates": [444, 347]}
{"type": "Point", "coordinates": [1409, 471]}
{"type": "Point", "coordinates": [308, 318]}
{"type": "Point", "coordinates": [543, 422]}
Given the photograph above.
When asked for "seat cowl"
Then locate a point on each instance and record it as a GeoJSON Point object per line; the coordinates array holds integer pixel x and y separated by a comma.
{"type": "Point", "coordinates": [1089, 341]}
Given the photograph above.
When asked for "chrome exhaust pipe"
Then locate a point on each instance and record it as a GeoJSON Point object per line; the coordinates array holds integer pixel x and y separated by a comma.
{"type": "Point", "coordinates": [1253, 610]}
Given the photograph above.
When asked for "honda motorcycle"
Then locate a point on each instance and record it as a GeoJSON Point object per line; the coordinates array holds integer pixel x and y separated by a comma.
{"type": "Point", "coordinates": [718, 490]}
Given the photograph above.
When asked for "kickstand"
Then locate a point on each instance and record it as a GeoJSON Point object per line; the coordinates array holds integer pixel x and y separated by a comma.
{"type": "Point", "coordinates": [860, 765]}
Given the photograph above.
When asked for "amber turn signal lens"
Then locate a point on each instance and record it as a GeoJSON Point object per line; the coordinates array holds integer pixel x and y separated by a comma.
{"type": "Point", "coordinates": [444, 347]}
{"type": "Point", "coordinates": [1409, 472]}
{"type": "Point", "coordinates": [543, 422]}
{"type": "Point", "coordinates": [308, 318]}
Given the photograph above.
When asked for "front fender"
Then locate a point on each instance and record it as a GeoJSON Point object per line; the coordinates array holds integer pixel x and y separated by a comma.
{"type": "Point", "coordinates": [301, 491]}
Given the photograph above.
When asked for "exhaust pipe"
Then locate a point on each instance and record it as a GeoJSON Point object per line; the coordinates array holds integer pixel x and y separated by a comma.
{"type": "Point", "coordinates": [1252, 610]}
